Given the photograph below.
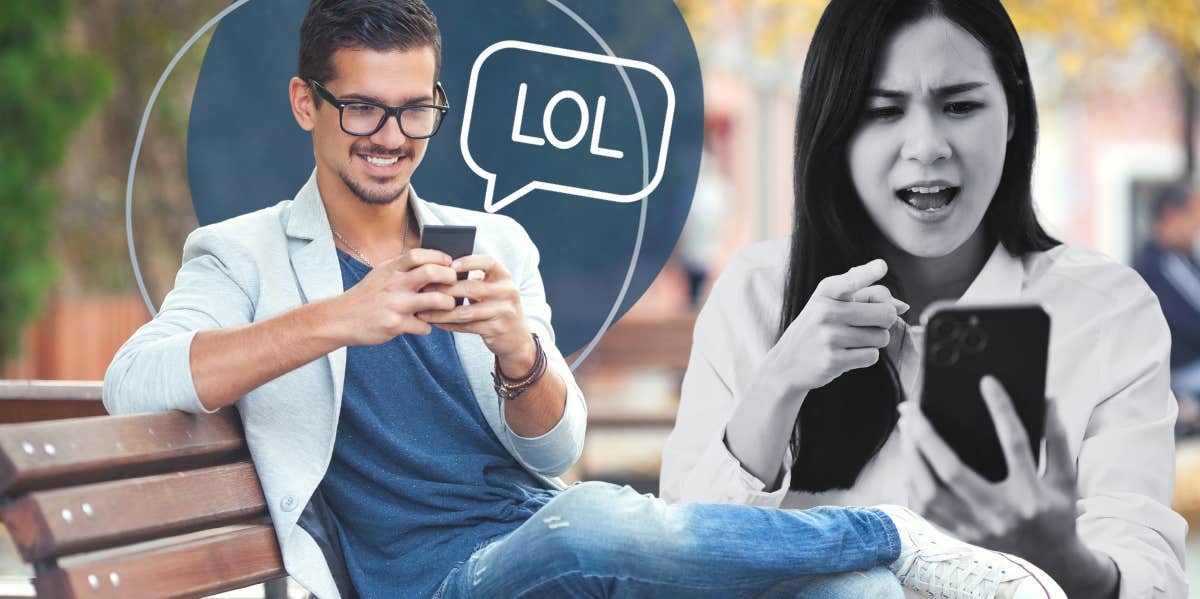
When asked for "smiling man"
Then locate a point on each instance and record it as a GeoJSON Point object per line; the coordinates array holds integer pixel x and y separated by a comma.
{"type": "Point", "coordinates": [409, 447]}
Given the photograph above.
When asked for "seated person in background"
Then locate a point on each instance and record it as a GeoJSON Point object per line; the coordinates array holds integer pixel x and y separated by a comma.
{"type": "Point", "coordinates": [1168, 263]}
{"type": "Point", "coordinates": [915, 138]}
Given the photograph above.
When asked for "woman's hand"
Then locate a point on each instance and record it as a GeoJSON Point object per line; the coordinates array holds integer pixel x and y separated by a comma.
{"type": "Point", "coordinates": [1025, 514]}
{"type": "Point", "coordinates": [843, 326]}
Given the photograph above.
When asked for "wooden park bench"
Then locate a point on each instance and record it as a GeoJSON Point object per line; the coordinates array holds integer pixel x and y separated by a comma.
{"type": "Point", "coordinates": [154, 505]}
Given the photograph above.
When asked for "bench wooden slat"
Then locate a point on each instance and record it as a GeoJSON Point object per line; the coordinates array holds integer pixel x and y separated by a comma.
{"type": "Point", "coordinates": [51, 390]}
{"type": "Point", "coordinates": [43, 455]}
{"type": "Point", "coordinates": [639, 342]}
{"type": "Point", "coordinates": [91, 517]}
{"type": "Point", "coordinates": [37, 410]}
{"type": "Point", "coordinates": [31, 401]}
{"type": "Point", "coordinates": [601, 416]}
{"type": "Point", "coordinates": [194, 568]}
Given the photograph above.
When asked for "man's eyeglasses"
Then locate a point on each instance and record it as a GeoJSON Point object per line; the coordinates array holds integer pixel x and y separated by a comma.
{"type": "Point", "coordinates": [362, 118]}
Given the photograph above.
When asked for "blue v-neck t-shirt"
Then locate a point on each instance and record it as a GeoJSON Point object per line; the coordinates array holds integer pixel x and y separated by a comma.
{"type": "Point", "coordinates": [418, 480]}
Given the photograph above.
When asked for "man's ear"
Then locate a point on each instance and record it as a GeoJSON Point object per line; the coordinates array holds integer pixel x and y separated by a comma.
{"type": "Point", "coordinates": [303, 108]}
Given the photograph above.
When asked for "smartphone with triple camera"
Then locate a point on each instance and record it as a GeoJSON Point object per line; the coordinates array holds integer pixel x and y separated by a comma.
{"type": "Point", "coordinates": [963, 344]}
{"type": "Point", "coordinates": [455, 241]}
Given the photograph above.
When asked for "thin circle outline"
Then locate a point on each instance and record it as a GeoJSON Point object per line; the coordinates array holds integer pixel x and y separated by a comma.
{"type": "Point", "coordinates": [137, 148]}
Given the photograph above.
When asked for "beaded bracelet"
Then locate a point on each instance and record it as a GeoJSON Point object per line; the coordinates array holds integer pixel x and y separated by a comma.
{"type": "Point", "coordinates": [509, 388]}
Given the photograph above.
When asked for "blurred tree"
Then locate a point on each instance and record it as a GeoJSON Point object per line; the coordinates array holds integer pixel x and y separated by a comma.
{"type": "Point", "coordinates": [139, 39]}
{"type": "Point", "coordinates": [1084, 31]}
{"type": "Point", "coordinates": [46, 92]}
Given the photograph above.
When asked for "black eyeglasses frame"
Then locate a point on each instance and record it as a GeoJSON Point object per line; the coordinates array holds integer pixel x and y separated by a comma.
{"type": "Point", "coordinates": [388, 111]}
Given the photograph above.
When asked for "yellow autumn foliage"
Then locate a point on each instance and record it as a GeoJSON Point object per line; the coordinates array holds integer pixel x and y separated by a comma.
{"type": "Point", "coordinates": [1084, 29]}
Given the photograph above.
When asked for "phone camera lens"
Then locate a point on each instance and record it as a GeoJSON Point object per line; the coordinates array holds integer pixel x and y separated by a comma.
{"type": "Point", "coordinates": [945, 354]}
{"type": "Point", "coordinates": [946, 328]}
{"type": "Point", "coordinates": [974, 341]}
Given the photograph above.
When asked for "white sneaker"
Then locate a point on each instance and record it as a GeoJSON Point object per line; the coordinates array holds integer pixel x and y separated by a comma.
{"type": "Point", "coordinates": [934, 564]}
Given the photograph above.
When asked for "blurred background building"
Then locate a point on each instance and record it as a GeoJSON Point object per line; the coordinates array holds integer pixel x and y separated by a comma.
{"type": "Point", "coordinates": [1115, 82]}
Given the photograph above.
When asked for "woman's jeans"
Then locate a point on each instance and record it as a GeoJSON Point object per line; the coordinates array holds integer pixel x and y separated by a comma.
{"type": "Point", "coordinates": [600, 540]}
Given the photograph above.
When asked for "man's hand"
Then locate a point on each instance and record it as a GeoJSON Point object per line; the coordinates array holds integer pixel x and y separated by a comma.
{"type": "Point", "coordinates": [383, 304]}
{"type": "Point", "coordinates": [228, 363]}
{"type": "Point", "coordinates": [493, 312]}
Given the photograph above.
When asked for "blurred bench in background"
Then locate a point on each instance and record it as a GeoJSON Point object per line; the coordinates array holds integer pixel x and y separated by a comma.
{"type": "Point", "coordinates": [643, 342]}
{"type": "Point", "coordinates": [1187, 483]}
{"type": "Point", "coordinates": [631, 381]}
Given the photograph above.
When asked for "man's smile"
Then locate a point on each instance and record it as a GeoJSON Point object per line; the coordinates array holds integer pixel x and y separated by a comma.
{"type": "Point", "coordinates": [381, 163]}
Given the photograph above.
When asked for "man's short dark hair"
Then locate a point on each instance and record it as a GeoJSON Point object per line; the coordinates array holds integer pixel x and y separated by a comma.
{"type": "Point", "coordinates": [380, 25]}
{"type": "Point", "coordinates": [1170, 197]}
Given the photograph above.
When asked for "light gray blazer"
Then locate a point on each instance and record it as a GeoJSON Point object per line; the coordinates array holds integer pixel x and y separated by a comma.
{"type": "Point", "coordinates": [252, 267]}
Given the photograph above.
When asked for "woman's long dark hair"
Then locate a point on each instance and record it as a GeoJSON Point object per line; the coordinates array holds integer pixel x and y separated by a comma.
{"type": "Point", "coordinates": [844, 424]}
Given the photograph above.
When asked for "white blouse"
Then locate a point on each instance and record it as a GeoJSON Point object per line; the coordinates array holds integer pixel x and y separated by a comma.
{"type": "Point", "coordinates": [1107, 373]}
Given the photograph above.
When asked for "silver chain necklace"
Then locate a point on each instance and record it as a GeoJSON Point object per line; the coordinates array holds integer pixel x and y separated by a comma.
{"type": "Point", "coordinates": [360, 256]}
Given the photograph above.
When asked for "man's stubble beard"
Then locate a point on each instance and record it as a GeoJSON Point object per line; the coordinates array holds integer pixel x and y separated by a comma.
{"type": "Point", "coordinates": [372, 199]}
{"type": "Point", "coordinates": [366, 197]}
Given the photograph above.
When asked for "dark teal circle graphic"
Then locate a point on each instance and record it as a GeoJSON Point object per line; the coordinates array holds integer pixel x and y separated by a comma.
{"type": "Point", "coordinates": [246, 152]}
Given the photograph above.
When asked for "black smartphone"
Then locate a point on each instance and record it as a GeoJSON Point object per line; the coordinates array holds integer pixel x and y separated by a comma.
{"type": "Point", "coordinates": [962, 344]}
{"type": "Point", "coordinates": [455, 241]}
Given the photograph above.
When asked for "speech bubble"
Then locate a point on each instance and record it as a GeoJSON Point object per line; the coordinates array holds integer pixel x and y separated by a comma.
{"type": "Point", "coordinates": [589, 132]}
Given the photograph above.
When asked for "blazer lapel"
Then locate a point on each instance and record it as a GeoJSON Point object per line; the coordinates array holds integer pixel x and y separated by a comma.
{"type": "Point", "coordinates": [314, 261]}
